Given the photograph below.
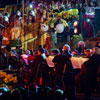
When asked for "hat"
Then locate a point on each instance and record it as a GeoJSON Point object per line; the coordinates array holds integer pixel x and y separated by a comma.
{"type": "Point", "coordinates": [98, 44]}
{"type": "Point", "coordinates": [55, 51]}
{"type": "Point", "coordinates": [66, 47]}
{"type": "Point", "coordinates": [81, 43]}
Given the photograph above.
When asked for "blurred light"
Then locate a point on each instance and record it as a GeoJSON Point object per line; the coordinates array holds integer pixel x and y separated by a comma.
{"type": "Point", "coordinates": [6, 18]}
{"type": "Point", "coordinates": [18, 13]}
{"type": "Point", "coordinates": [32, 13]}
{"type": "Point", "coordinates": [75, 30]}
{"type": "Point", "coordinates": [75, 23]}
{"type": "Point", "coordinates": [30, 6]}
{"type": "Point", "coordinates": [59, 28]}
{"type": "Point", "coordinates": [88, 20]}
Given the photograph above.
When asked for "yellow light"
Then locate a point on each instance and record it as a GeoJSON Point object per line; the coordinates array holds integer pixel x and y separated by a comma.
{"type": "Point", "coordinates": [75, 30]}
{"type": "Point", "coordinates": [75, 23]}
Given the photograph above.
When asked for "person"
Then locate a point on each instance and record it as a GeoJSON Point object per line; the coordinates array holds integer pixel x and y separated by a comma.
{"type": "Point", "coordinates": [81, 47]}
{"type": "Point", "coordinates": [2, 27]}
{"type": "Point", "coordinates": [64, 68]}
{"type": "Point", "coordinates": [49, 59]}
{"type": "Point", "coordinates": [86, 80]}
{"type": "Point", "coordinates": [61, 60]}
{"type": "Point", "coordinates": [88, 53]}
{"type": "Point", "coordinates": [51, 65]}
{"type": "Point", "coordinates": [74, 53]}
{"type": "Point", "coordinates": [66, 50]}
{"type": "Point", "coordinates": [12, 60]}
{"type": "Point", "coordinates": [25, 56]}
{"type": "Point", "coordinates": [40, 65]}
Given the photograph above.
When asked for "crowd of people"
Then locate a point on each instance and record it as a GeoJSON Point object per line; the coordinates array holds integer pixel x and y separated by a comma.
{"type": "Point", "coordinates": [48, 74]}
{"type": "Point", "coordinates": [54, 69]}
{"type": "Point", "coordinates": [38, 11]}
{"type": "Point", "coordinates": [42, 10]}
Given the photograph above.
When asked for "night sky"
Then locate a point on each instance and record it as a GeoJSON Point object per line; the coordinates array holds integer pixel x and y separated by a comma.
{"type": "Point", "coordinates": [3, 3]}
{"type": "Point", "coordinates": [8, 2]}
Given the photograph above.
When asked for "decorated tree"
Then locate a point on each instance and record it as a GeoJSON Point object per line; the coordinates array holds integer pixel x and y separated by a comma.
{"type": "Point", "coordinates": [74, 41]}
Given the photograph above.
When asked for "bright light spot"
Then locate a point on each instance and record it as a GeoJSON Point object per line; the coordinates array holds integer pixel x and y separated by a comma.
{"type": "Point", "coordinates": [30, 6]}
{"type": "Point", "coordinates": [75, 30]}
{"type": "Point", "coordinates": [88, 20]}
{"type": "Point", "coordinates": [75, 23]}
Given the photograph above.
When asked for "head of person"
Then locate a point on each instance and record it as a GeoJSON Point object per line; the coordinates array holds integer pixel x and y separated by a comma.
{"type": "Point", "coordinates": [81, 44]}
{"type": "Point", "coordinates": [55, 52]}
{"type": "Point", "coordinates": [41, 51]}
{"type": "Point", "coordinates": [66, 47]}
{"type": "Point", "coordinates": [97, 48]}
{"type": "Point", "coordinates": [74, 52]}
{"type": "Point", "coordinates": [88, 52]}
{"type": "Point", "coordinates": [27, 52]}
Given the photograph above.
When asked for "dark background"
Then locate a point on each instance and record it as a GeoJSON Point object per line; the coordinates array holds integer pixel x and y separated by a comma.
{"type": "Point", "coordinates": [11, 2]}
{"type": "Point", "coordinates": [3, 3]}
{"type": "Point", "coordinates": [7, 2]}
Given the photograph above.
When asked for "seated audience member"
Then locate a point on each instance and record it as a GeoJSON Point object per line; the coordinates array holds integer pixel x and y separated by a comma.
{"type": "Point", "coordinates": [75, 52]}
{"type": "Point", "coordinates": [87, 78]}
{"type": "Point", "coordinates": [12, 60]}
{"type": "Point", "coordinates": [25, 55]}
{"type": "Point", "coordinates": [81, 47]}
{"type": "Point", "coordinates": [66, 50]}
{"type": "Point", "coordinates": [27, 52]}
{"type": "Point", "coordinates": [88, 53]}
